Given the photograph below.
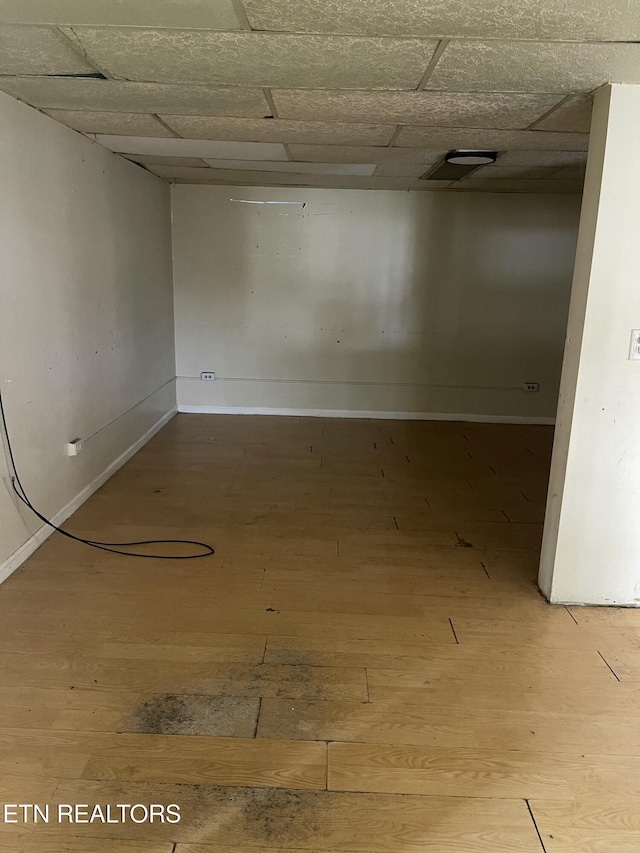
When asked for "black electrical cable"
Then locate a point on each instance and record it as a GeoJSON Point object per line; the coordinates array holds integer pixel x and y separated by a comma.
{"type": "Point", "coordinates": [112, 547]}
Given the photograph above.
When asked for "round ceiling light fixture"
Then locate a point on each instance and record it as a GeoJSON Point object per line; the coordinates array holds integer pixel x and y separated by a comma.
{"type": "Point", "coordinates": [471, 158]}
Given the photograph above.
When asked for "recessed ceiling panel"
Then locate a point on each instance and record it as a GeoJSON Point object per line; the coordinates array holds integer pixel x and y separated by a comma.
{"type": "Point", "coordinates": [304, 168]}
{"type": "Point", "coordinates": [208, 14]}
{"type": "Point", "coordinates": [344, 154]}
{"type": "Point", "coordinates": [118, 96]}
{"type": "Point", "coordinates": [123, 124]}
{"type": "Point", "coordinates": [154, 159]}
{"type": "Point", "coordinates": [252, 178]}
{"type": "Point", "coordinates": [543, 158]}
{"type": "Point", "coordinates": [513, 186]}
{"type": "Point", "coordinates": [574, 116]}
{"type": "Point", "coordinates": [569, 173]}
{"type": "Point", "coordinates": [38, 50]}
{"type": "Point", "coordinates": [575, 19]}
{"type": "Point", "coordinates": [450, 109]}
{"type": "Point", "coordinates": [226, 176]}
{"type": "Point", "coordinates": [267, 130]}
{"type": "Point", "coordinates": [523, 173]}
{"type": "Point", "coordinates": [401, 170]}
{"type": "Point", "coordinates": [258, 59]}
{"type": "Point", "coordinates": [194, 148]}
{"type": "Point", "coordinates": [500, 140]}
{"type": "Point", "coordinates": [520, 66]}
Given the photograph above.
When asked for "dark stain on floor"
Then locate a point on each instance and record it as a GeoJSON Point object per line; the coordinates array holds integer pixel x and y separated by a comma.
{"type": "Point", "coordinates": [276, 817]}
{"type": "Point", "coordinates": [280, 681]}
{"type": "Point", "coordinates": [195, 714]}
{"type": "Point", "coordinates": [283, 816]}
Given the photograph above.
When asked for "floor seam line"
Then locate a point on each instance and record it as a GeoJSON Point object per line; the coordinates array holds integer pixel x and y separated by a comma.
{"type": "Point", "coordinates": [544, 849]}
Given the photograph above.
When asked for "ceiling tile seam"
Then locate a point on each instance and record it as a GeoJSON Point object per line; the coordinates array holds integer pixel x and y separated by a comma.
{"type": "Point", "coordinates": [438, 37]}
{"type": "Point", "coordinates": [165, 125]}
{"type": "Point", "coordinates": [269, 99]}
{"type": "Point", "coordinates": [440, 49]}
{"type": "Point", "coordinates": [397, 127]}
{"type": "Point", "coordinates": [549, 112]}
{"type": "Point", "coordinates": [234, 86]}
{"type": "Point", "coordinates": [241, 12]}
{"type": "Point", "coordinates": [75, 40]}
{"type": "Point", "coordinates": [257, 32]}
{"type": "Point", "coordinates": [77, 47]}
{"type": "Point", "coordinates": [290, 157]}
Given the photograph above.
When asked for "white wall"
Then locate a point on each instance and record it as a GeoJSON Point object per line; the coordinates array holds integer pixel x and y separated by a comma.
{"type": "Point", "coordinates": [372, 301]}
{"type": "Point", "coordinates": [591, 545]}
{"type": "Point", "coordinates": [86, 312]}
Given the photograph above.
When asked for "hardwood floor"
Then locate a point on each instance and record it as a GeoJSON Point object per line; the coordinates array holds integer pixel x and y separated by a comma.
{"type": "Point", "coordinates": [364, 666]}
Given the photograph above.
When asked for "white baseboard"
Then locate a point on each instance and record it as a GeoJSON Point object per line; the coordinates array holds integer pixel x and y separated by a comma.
{"type": "Point", "coordinates": [348, 413]}
{"type": "Point", "coordinates": [42, 533]}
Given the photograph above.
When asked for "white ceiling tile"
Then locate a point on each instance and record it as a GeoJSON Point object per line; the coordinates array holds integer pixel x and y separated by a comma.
{"type": "Point", "coordinates": [573, 116]}
{"type": "Point", "coordinates": [304, 168]}
{"type": "Point", "coordinates": [400, 170]}
{"type": "Point", "coordinates": [258, 59]}
{"type": "Point", "coordinates": [118, 96]}
{"type": "Point", "coordinates": [194, 148]}
{"type": "Point", "coordinates": [254, 178]}
{"type": "Point", "coordinates": [571, 20]}
{"type": "Point", "coordinates": [122, 124]}
{"type": "Point", "coordinates": [513, 186]}
{"type": "Point", "coordinates": [448, 109]}
{"type": "Point", "coordinates": [227, 176]}
{"type": "Point", "coordinates": [38, 50]}
{"type": "Point", "coordinates": [501, 140]}
{"type": "Point", "coordinates": [430, 18]}
{"type": "Point", "coordinates": [543, 158]}
{"type": "Point", "coordinates": [569, 173]}
{"type": "Point", "coordinates": [275, 130]}
{"type": "Point", "coordinates": [520, 66]}
{"type": "Point", "coordinates": [589, 20]}
{"type": "Point", "coordinates": [376, 183]}
{"type": "Point", "coordinates": [524, 173]}
{"type": "Point", "coordinates": [154, 159]}
{"type": "Point", "coordinates": [346, 154]}
{"type": "Point", "coordinates": [207, 14]}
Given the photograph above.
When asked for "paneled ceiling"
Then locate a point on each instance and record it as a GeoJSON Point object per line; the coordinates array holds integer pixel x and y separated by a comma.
{"type": "Point", "coordinates": [339, 93]}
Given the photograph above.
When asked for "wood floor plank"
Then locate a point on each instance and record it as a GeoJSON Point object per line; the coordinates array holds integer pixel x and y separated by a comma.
{"type": "Point", "coordinates": [529, 631]}
{"type": "Point", "coordinates": [341, 599]}
{"type": "Point", "coordinates": [594, 678]}
{"type": "Point", "coordinates": [15, 788]}
{"type": "Point", "coordinates": [166, 758]}
{"type": "Point", "coordinates": [486, 729]}
{"type": "Point", "coordinates": [34, 842]}
{"type": "Point", "coordinates": [451, 772]}
{"type": "Point", "coordinates": [437, 662]}
{"type": "Point", "coordinates": [181, 676]}
{"type": "Point", "coordinates": [471, 772]}
{"type": "Point", "coordinates": [609, 821]}
{"type": "Point", "coordinates": [260, 819]}
{"type": "Point", "coordinates": [551, 693]}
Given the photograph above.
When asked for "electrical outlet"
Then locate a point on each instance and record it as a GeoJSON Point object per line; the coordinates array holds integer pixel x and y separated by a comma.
{"type": "Point", "coordinates": [530, 386]}
{"type": "Point", "coordinates": [634, 349]}
{"type": "Point", "coordinates": [74, 447]}
{"type": "Point", "coordinates": [207, 376]}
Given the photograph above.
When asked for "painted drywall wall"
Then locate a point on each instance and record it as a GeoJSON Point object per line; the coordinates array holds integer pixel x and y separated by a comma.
{"type": "Point", "coordinates": [86, 312]}
{"type": "Point", "coordinates": [354, 301]}
{"type": "Point", "coordinates": [591, 542]}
